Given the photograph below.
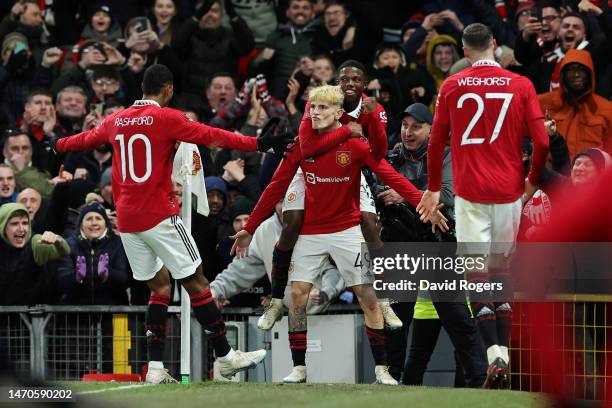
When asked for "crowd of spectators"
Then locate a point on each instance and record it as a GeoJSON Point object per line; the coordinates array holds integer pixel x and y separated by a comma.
{"type": "Point", "coordinates": [237, 64]}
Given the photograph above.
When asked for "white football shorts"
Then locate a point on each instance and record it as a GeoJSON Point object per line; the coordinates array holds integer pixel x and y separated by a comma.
{"type": "Point", "coordinates": [311, 253]}
{"type": "Point", "coordinates": [495, 225]}
{"type": "Point", "coordinates": [168, 243]}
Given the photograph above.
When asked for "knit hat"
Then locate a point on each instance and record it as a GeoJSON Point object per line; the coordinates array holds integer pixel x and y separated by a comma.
{"type": "Point", "coordinates": [414, 21]}
{"type": "Point", "coordinates": [523, 6]}
{"type": "Point", "coordinates": [93, 207]}
{"type": "Point", "coordinates": [103, 7]}
{"type": "Point", "coordinates": [213, 183]}
{"type": "Point", "coordinates": [240, 206]}
{"type": "Point", "coordinates": [601, 159]}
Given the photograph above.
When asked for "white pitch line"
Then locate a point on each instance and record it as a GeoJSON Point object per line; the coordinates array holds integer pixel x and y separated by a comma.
{"type": "Point", "coordinates": [123, 387]}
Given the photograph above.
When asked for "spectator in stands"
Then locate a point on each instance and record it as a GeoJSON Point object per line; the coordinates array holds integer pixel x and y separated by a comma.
{"type": "Point", "coordinates": [17, 153]}
{"type": "Point", "coordinates": [206, 47]}
{"type": "Point", "coordinates": [260, 16]}
{"type": "Point", "coordinates": [19, 74]}
{"type": "Point", "coordinates": [97, 271]}
{"type": "Point", "coordinates": [107, 81]}
{"type": "Point", "coordinates": [106, 188]}
{"type": "Point", "coordinates": [165, 19]}
{"type": "Point", "coordinates": [239, 211]}
{"type": "Point", "coordinates": [71, 107]}
{"type": "Point", "coordinates": [254, 271]}
{"type": "Point", "coordinates": [32, 201]}
{"type": "Point", "coordinates": [397, 84]}
{"type": "Point", "coordinates": [206, 235]}
{"type": "Point", "coordinates": [23, 257]}
{"type": "Point", "coordinates": [7, 184]}
{"type": "Point", "coordinates": [91, 53]}
{"type": "Point", "coordinates": [583, 118]}
{"type": "Point", "coordinates": [416, 33]}
{"type": "Point", "coordinates": [26, 18]}
{"type": "Point", "coordinates": [220, 89]}
{"type": "Point", "coordinates": [442, 53]}
{"type": "Point", "coordinates": [319, 70]}
{"type": "Point", "coordinates": [143, 41]}
{"type": "Point", "coordinates": [101, 26]}
{"type": "Point", "coordinates": [90, 165]}
{"type": "Point", "coordinates": [498, 16]}
{"type": "Point", "coordinates": [286, 46]}
{"type": "Point", "coordinates": [343, 35]}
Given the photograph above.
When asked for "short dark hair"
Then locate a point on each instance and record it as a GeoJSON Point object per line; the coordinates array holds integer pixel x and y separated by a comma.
{"type": "Point", "coordinates": [574, 14]}
{"type": "Point", "coordinates": [155, 79]}
{"type": "Point", "coordinates": [353, 64]}
{"type": "Point", "coordinates": [38, 91]}
{"type": "Point", "coordinates": [477, 37]}
{"type": "Point", "coordinates": [104, 71]}
{"type": "Point", "coordinates": [221, 74]}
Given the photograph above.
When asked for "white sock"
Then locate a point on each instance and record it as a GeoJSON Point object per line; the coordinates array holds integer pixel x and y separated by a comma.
{"type": "Point", "coordinates": [156, 364]}
{"type": "Point", "coordinates": [505, 355]}
{"type": "Point", "coordinates": [493, 352]}
{"type": "Point", "coordinates": [228, 356]}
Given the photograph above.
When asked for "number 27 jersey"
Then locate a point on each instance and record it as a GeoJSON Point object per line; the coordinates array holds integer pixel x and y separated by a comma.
{"type": "Point", "coordinates": [487, 109]}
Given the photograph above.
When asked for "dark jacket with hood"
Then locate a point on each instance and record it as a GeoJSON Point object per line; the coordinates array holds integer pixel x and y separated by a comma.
{"type": "Point", "coordinates": [22, 270]}
{"type": "Point", "coordinates": [589, 123]}
{"type": "Point", "coordinates": [97, 271]}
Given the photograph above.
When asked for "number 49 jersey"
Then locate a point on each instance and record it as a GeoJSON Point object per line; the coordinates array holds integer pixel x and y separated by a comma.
{"type": "Point", "coordinates": [487, 109]}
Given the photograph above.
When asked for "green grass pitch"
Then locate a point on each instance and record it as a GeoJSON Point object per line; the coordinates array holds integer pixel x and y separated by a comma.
{"type": "Point", "coordinates": [255, 395]}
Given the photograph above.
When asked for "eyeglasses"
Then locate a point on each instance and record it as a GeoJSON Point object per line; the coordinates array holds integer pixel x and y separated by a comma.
{"type": "Point", "coordinates": [108, 82]}
{"type": "Point", "coordinates": [550, 19]}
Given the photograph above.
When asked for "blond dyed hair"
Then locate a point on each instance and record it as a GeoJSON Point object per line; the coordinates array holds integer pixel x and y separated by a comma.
{"type": "Point", "coordinates": [328, 94]}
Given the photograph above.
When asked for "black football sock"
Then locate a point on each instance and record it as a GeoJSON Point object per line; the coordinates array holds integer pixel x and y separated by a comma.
{"type": "Point", "coordinates": [377, 339]}
{"type": "Point", "coordinates": [155, 324]}
{"type": "Point", "coordinates": [297, 344]}
{"type": "Point", "coordinates": [212, 322]}
{"type": "Point", "coordinates": [281, 260]}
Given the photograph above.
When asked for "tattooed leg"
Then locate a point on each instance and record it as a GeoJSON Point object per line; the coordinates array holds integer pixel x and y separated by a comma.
{"type": "Point", "coordinates": [297, 322]}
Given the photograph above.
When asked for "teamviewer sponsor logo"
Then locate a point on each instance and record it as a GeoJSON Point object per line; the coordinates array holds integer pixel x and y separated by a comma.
{"type": "Point", "coordinates": [313, 179]}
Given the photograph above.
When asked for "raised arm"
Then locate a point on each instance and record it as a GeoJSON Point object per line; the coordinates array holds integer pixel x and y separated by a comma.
{"type": "Point", "coordinates": [313, 144]}
{"type": "Point", "coordinates": [275, 190]}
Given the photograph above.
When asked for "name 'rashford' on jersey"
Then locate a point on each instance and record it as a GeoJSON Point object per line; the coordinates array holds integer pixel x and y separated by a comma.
{"type": "Point", "coordinates": [143, 137]}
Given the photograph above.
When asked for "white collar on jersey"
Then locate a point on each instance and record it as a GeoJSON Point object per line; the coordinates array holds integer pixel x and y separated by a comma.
{"type": "Point", "coordinates": [486, 62]}
{"type": "Point", "coordinates": [144, 102]}
{"type": "Point", "coordinates": [356, 112]}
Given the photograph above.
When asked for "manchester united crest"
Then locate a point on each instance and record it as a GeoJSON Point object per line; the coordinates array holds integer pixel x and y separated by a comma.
{"type": "Point", "coordinates": [197, 163]}
{"type": "Point", "coordinates": [343, 158]}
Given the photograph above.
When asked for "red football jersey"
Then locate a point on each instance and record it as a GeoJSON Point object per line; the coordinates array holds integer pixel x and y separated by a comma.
{"type": "Point", "coordinates": [485, 108]}
{"type": "Point", "coordinates": [332, 182]}
{"type": "Point", "coordinates": [373, 125]}
{"type": "Point", "coordinates": [143, 138]}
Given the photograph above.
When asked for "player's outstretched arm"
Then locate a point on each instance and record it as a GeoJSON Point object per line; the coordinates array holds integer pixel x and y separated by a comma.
{"type": "Point", "coordinates": [88, 140]}
{"type": "Point", "coordinates": [313, 144]}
